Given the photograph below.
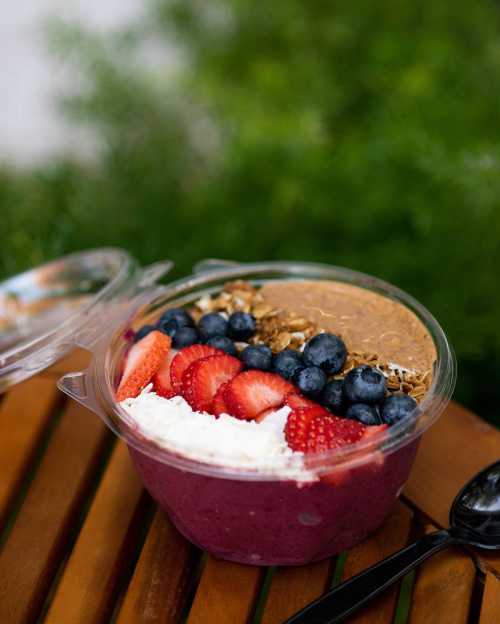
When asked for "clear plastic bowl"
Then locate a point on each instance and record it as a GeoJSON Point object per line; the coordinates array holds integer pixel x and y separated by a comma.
{"type": "Point", "coordinates": [264, 516]}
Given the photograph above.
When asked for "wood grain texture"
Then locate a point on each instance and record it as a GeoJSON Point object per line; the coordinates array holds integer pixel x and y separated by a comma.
{"type": "Point", "coordinates": [36, 544]}
{"type": "Point", "coordinates": [452, 451]}
{"type": "Point", "coordinates": [24, 413]}
{"type": "Point", "coordinates": [157, 591]}
{"type": "Point", "coordinates": [88, 586]}
{"type": "Point", "coordinates": [293, 588]}
{"type": "Point", "coordinates": [443, 588]}
{"type": "Point", "coordinates": [490, 606]}
{"type": "Point", "coordinates": [393, 535]}
{"type": "Point", "coordinates": [226, 593]}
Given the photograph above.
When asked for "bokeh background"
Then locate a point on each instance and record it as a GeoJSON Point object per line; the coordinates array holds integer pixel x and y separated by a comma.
{"type": "Point", "coordinates": [361, 134]}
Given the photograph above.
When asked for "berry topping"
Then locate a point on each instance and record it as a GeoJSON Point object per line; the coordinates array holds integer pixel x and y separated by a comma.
{"type": "Point", "coordinates": [224, 344]}
{"type": "Point", "coordinates": [364, 413]}
{"type": "Point", "coordinates": [310, 380]}
{"type": "Point", "coordinates": [333, 397]}
{"type": "Point", "coordinates": [295, 400]}
{"type": "Point", "coordinates": [327, 351]}
{"type": "Point", "coordinates": [257, 356]}
{"type": "Point", "coordinates": [143, 361]}
{"type": "Point", "coordinates": [184, 359]}
{"type": "Point", "coordinates": [315, 430]}
{"type": "Point", "coordinates": [365, 384]}
{"type": "Point", "coordinates": [253, 391]}
{"type": "Point", "coordinates": [288, 363]}
{"type": "Point", "coordinates": [185, 337]}
{"type": "Point", "coordinates": [396, 407]}
{"type": "Point", "coordinates": [142, 332]}
{"type": "Point", "coordinates": [174, 319]}
{"type": "Point", "coordinates": [241, 326]}
{"type": "Point", "coordinates": [162, 383]}
{"type": "Point", "coordinates": [212, 324]}
{"type": "Point", "coordinates": [219, 404]}
{"type": "Point", "coordinates": [204, 377]}
{"type": "Point", "coordinates": [179, 316]}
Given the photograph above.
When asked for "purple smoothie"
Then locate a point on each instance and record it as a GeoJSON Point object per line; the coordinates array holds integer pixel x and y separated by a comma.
{"type": "Point", "coordinates": [277, 522]}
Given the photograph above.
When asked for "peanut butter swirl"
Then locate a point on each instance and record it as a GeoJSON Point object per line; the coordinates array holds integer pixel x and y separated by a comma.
{"type": "Point", "coordinates": [366, 321]}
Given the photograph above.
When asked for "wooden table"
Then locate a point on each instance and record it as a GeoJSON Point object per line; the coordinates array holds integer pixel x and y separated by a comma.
{"type": "Point", "coordinates": [81, 542]}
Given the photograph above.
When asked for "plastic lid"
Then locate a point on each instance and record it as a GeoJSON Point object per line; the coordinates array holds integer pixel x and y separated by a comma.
{"type": "Point", "coordinates": [43, 311]}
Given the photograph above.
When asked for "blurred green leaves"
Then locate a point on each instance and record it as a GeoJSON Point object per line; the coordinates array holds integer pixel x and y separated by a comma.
{"type": "Point", "coordinates": [363, 134]}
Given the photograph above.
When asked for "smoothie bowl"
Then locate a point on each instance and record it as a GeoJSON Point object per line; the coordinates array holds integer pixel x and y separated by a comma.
{"type": "Point", "coordinates": [272, 410]}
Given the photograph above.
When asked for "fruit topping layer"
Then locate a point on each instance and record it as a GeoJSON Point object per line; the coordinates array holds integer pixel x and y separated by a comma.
{"type": "Point", "coordinates": [236, 356]}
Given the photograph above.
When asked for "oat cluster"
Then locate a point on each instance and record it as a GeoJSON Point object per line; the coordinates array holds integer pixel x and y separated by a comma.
{"type": "Point", "coordinates": [281, 329]}
{"type": "Point", "coordinates": [277, 328]}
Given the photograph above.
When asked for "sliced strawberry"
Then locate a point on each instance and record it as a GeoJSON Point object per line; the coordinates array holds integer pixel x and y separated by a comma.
{"type": "Point", "coordinates": [295, 400]}
{"type": "Point", "coordinates": [298, 424]}
{"type": "Point", "coordinates": [219, 404]}
{"type": "Point", "coordinates": [204, 377]}
{"type": "Point", "coordinates": [254, 391]}
{"type": "Point", "coordinates": [315, 430]}
{"type": "Point", "coordinates": [143, 361]}
{"type": "Point", "coordinates": [184, 359]}
{"type": "Point", "coordinates": [162, 383]}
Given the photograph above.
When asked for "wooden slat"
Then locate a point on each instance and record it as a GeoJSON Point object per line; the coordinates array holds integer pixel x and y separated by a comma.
{"type": "Point", "coordinates": [157, 591]}
{"type": "Point", "coordinates": [24, 414]}
{"type": "Point", "coordinates": [393, 535]}
{"type": "Point", "coordinates": [443, 588]}
{"type": "Point", "coordinates": [87, 589]}
{"type": "Point", "coordinates": [77, 360]}
{"type": "Point", "coordinates": [453, 450]}
{"type": "Point", "coordinates": [490, 606]}
{"type": "Point", "coordinates": [293, 588]}
{"type": "Point", "coordinates": [226, 593]}
{"type": "Point", "coordinates": [36, 544]}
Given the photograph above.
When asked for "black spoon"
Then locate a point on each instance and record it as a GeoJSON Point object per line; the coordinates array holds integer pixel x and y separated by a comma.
{"type": "Point", "coordinates": [474, 520]}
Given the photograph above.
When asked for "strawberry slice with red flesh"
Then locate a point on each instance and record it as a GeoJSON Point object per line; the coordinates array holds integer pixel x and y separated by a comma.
{"type": "Point", "coordinates": [143, 362]}
{"type": "Point", "coordinates": [183, 360]}
{"type": "Point", "coordinates": [204, 377]}
{"type": "Point", "coordinates": [295, 400]}
{"type": "Point", "coordinates": [252, 392]}
{"type": "Point", "coordinates": [162, 383]}
{"type": "Point", "coordinates": [219, 404]}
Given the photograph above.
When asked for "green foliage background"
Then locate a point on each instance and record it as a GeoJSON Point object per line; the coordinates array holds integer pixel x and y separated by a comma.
{"type": "Point", "coordinates": [362, 134]}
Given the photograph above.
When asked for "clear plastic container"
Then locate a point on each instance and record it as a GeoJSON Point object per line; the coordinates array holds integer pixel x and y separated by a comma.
{"type": "Point", "coordinates": [262, 516]}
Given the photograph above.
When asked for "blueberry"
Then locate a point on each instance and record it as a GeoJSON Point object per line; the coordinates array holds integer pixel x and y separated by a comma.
{"type": "Point", "coordinates": [241, 325]}
{"type": "Point", "coordinates": [185, 337]}
{"type": "Point", "coordinates": [173, 319]}
{"type": "Point", "coordinates": [326, 351]}
{"type": "Point", "coordinates": [288, 363]}
{"type": "Point", "coordinates": [333, 396]}
{"type": "Point", "coordinates": [179, 315]}
{"type": "Point", "coordinates": [257, 356]}
{"type": "Point", "coordinates": [396, 407]}
{"type": "Point", "coordinates": [212, 324]}
{"type": "Point", "coordinates": [366, 414]}
{"type": "Point", "coordinates": [143, 332]}
{"type": "Point", "coordinates": [223, 343]}
{"type": "Point", "coordinates": [310, 380]}
{"type": "Point", "coordinates": [365, 384]}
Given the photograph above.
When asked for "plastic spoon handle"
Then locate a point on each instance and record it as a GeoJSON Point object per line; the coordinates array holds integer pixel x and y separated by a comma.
{"type": "Point", "coordinates": [357, 591]}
